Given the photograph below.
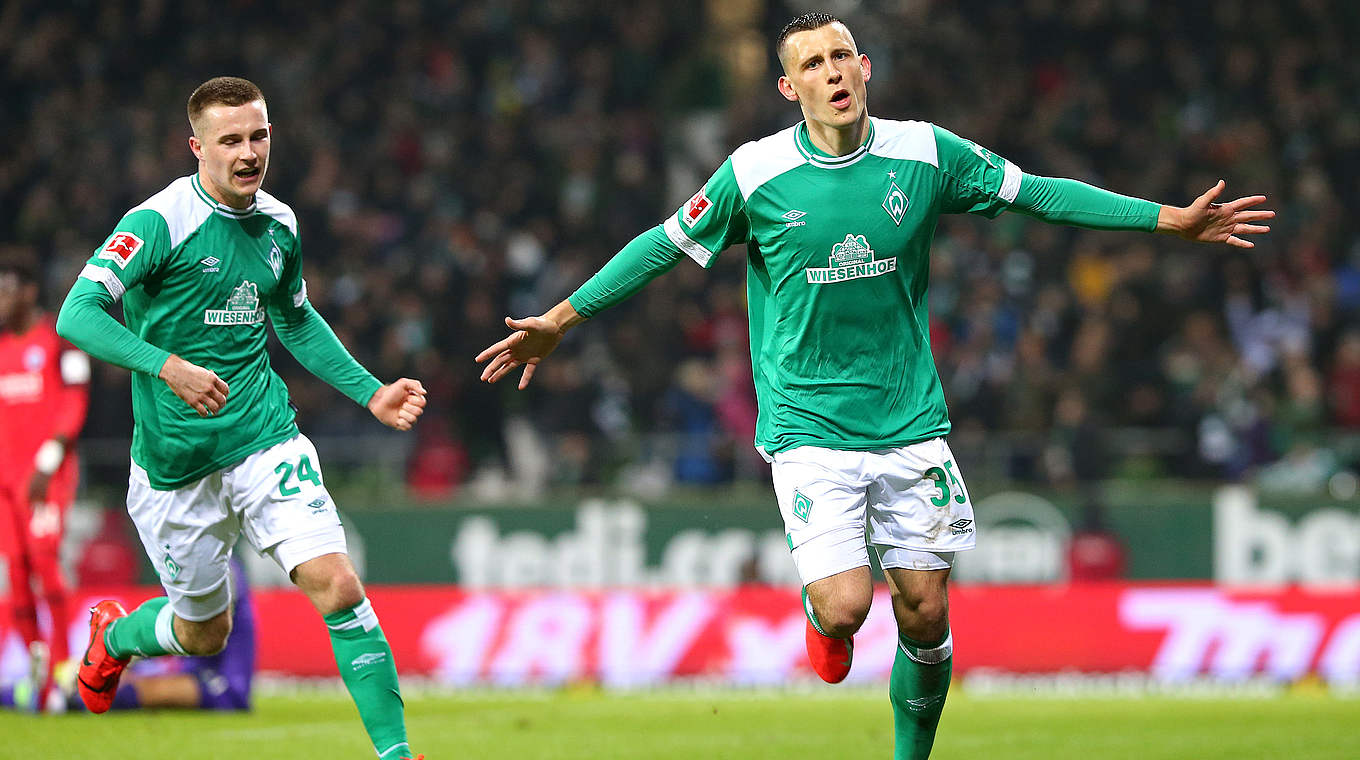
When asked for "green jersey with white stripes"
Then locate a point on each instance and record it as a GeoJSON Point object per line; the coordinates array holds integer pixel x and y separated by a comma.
{"type": "Point", "coordinates": [196, 278]}
{"type": "Point", "coordinates": [838, 252]}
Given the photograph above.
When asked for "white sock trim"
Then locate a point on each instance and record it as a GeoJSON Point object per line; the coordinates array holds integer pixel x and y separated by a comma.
{"type": "Point", "coordinates": [165, 631]}
{"type": "Point", "coordinates": [394, 747]}
{"type": "Point", "coordinates": [364, 617]}
{"type": "Point", "coordinates": [933, 656]}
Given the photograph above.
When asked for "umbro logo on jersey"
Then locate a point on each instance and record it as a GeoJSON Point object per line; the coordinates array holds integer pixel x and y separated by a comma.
{"type": "Point", "coordinates": [794, 216]}
{"type": "Point", "coordinates": [211, 263]}
{"type": "Point", "coordinates": [895, 203]}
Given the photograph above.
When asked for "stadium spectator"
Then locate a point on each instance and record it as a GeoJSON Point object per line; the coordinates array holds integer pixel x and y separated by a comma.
{"type": "Point", "coordinates": [470, 149]}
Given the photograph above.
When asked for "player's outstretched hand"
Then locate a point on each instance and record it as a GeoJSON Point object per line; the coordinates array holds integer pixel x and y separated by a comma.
{"type": "Point", "coordinates": [200, 388]}
{"type": "Point", "coordinates": [399, 403]}
{"type": "Point", "coordinates": [530, 343]}
{"type": "Point", "coordinates": [1207, 222]}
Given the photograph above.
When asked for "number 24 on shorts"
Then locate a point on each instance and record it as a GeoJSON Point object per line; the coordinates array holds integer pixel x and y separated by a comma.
{"type": "Point", "coordinates": [304, 471]}
{"type": "Point", "coordinates": [942, 482]}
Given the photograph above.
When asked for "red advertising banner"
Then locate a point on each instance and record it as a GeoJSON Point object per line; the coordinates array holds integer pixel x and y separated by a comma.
{"type": "Point", "coordinates": [754, 635]}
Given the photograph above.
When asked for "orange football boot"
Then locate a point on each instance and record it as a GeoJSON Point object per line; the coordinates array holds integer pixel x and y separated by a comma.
{"type": "Point", "coordinates": [97, 679]}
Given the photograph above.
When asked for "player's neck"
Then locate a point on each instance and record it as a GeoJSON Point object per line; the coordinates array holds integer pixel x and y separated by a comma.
{"type": "Point", "coordinates": [216, 194]}
{"type": "Point", "coordinates": [838, 141]}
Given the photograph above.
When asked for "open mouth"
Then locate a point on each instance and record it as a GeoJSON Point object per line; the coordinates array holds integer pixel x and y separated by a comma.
{"type": "Point", "coordinates": [249, 172]}
{"type": "Point", "coordinates": [840, 99]}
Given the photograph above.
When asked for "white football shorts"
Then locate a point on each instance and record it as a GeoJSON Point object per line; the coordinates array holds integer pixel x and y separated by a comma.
{"type": "Point", "coordinates": [910, 501]}
{"type": "Point", "coordinates": [274, 497]}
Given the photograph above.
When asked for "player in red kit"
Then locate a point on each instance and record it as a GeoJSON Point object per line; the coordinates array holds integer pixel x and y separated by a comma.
{"type": "Point", "coordinates": [43, 397]}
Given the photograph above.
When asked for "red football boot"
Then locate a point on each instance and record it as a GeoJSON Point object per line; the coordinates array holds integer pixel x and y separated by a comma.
{"type": "Point", "coordinates": [99, 672]}
{"type": "Point", "coordinates": [829, 655]}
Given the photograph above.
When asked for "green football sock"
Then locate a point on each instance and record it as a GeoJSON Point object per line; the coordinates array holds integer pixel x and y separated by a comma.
{"type": "Point", "coordinates": [148, 631]}
{"type": "Point", "coordinates": [917, 689]}
{"type": "Point", "coordinates": [365, 661]}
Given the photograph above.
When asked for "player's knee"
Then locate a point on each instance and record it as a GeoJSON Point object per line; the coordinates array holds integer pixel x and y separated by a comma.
{"type": "Point", "coordinates": [841, 617]}
{"type": "Point", "coordinates": [206, 638]}
{"type": "Point", "coordinates": [343, 590]}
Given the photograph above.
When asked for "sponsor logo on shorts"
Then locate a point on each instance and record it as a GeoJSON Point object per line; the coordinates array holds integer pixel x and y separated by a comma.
{"type": "Point", "coordinates": [317, 506]}
{"type": "Point", "coordinates": [802, 506]}
{"type": "Point", "coordinates": [243, 308]}
{"type": "Point", "coordinates": [961, 526]}
{"type": "Point", "coordinates": [366, 659]}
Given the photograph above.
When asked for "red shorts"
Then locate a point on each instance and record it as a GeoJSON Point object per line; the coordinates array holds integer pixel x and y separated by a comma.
{"type": "Point", "coordinates": [25, 529]}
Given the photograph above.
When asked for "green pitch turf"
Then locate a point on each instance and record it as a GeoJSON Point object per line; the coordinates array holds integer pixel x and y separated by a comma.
{"type": "Point", "coordinates": [820, 724]}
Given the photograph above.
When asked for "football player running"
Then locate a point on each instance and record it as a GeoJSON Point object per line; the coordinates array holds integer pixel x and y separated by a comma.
{"type": "Point", "coordinates": [215, 449]}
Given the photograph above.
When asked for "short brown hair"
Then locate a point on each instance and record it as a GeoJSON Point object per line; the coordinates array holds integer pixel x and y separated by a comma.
{"type": "Point", "coordinates": [804, 23]}
{"type": "Point", "coordinates": [222, 91]}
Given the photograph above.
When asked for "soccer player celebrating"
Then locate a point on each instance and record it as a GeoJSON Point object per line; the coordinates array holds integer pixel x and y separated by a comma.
{"type": "Point", "coordinates": [198, 266]}
{"type": "Point", "coordinates": [43, 397]}
{"type": "Point", "coordinates": [837, 214]}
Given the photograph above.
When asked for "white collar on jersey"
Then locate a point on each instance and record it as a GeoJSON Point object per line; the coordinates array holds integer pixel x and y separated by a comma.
{"type": "Point", "coordinates": [803, 141]}
{"type": "Point", "coordinates": [221, 208]}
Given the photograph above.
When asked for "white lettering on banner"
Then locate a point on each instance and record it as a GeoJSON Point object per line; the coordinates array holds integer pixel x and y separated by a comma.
{"type": "Point", "coordinates": [1206, 632]}
{"type": "Point", "coordinates": [545, 642]}
{"type": "Point", "coordinates": [634, 653]}
{"type": "Point", "coordinates": [459, 640]}
{"type": "Point", "coordinates": [765, 652]}
{"type": "Point", "coordinates": [1256, 546]}
{"type": "Point", "coordinates": [608, 549]}
{"type": "Point", "coordinates": [1340, 664]}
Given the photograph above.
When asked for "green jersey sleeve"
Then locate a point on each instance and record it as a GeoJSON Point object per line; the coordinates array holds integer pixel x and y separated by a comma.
{"type": "Point", "coordinates": [712, 219]}
{"type": "Point", "coordinates": [307, 336]}
{"type": "Point", "coordinates": [131, 254]}
{"type": "Point", "coordinates": [974, 179]}
{"type": "Point", "coordinates": [134, 251]}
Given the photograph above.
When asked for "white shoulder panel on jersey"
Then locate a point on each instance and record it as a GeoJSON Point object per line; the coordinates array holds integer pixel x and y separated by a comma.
{"type": "Point", "coordinates": [758, 162]}
{"type": "Point", "coordinates": [906, 140]}
{"type": "Point", "coordinates": [276, 209]}
{"type": "Point", "coordinates": [180, 207]}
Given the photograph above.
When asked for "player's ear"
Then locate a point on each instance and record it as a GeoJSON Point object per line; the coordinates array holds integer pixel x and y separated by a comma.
{"type": "Point", "coordinates": [786, 89]}
{"type": "Point", "coordinates": [196, 147]}
{"type": "Point", "coordinates": [865, 66]}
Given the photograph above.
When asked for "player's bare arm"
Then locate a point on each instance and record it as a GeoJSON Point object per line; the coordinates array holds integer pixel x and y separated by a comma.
{"type": "Point", "coordinates": [200, 388]}
{"type": "Point", "coordinates": [530, 343]}
{"type": "Point", "coordinates": [1207, 222]}
{"type": "Point", "coordinates": [399, 403]}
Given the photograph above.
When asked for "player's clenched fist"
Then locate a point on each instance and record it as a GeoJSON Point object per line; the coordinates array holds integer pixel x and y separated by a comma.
{"type": "Point", "coordinates": [399, 403]}
{"type": "Point", "coordinates": [200, 388]}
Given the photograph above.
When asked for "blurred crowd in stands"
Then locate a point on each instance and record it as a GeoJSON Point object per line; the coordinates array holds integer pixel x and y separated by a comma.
{"type": "Point", "coordinates": [452, 163]}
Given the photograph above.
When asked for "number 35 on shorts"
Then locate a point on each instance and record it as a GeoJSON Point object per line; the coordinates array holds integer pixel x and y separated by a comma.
{"type": "Point", "coordinates": [948, 484]}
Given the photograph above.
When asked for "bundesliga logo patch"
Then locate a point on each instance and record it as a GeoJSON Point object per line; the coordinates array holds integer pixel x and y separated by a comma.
{"type": "Point", "coordinates": [695, 208]}
{"type": "Point", "coordinates": [121, 248]}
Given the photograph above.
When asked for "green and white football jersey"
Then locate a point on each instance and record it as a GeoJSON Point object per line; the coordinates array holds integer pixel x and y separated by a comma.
{"type": "Point", "coordinates": [838, 258]}
{"type": "Point", "coordinates": [196, 278]}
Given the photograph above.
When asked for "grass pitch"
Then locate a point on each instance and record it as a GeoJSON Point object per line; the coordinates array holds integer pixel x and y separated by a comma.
{"type": "Point", "coordinates": [822, 723]}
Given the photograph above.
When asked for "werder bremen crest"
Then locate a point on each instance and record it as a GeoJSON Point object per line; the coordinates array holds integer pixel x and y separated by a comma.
{"type": "Point", "coordinates": [851, 259]}
{"type": "Point", "coordinates": [243, 307]}
{"type": "Point", "coordinates": [275, 256]}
